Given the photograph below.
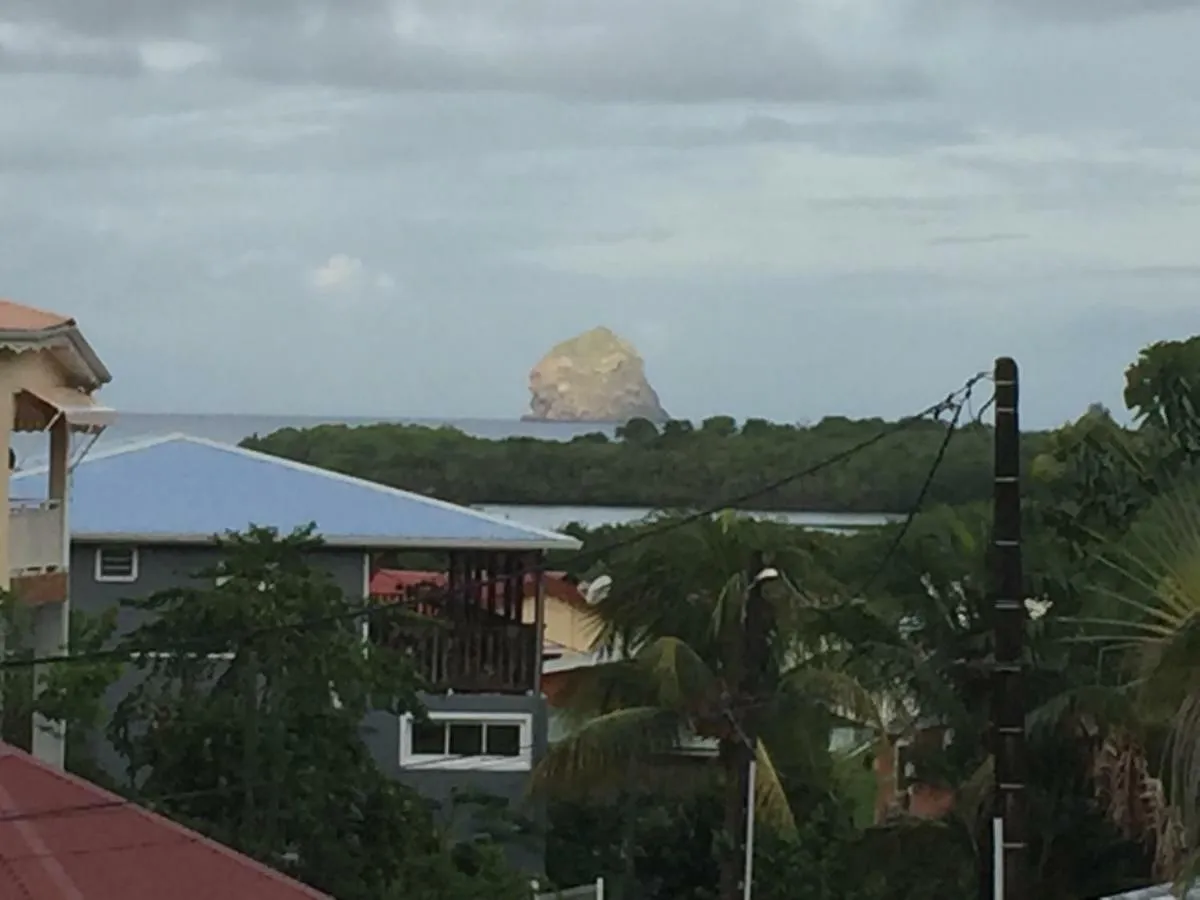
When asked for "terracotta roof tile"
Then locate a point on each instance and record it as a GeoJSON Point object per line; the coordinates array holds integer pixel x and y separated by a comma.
{"type": "Point", "coordinates": [63, 838]}
{"type": "Point", "coordinates": [17, 317]}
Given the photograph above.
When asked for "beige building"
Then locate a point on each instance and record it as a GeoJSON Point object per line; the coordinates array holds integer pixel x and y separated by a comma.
{"type": "Point", "coordinates": [49, 374]}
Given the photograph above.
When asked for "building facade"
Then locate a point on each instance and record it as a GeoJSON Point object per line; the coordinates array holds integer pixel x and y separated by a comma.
{"type": "Point", "coordinates": [49, 375]}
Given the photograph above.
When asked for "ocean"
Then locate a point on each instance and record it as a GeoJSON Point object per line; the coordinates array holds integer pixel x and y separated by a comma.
{"type": "Point", "coordinates": [232, 428]}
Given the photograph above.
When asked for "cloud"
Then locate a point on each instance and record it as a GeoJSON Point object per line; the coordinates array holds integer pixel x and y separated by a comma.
{"type": "Point", "coordinates": [344, 274]}
{"type": "Point", "coordinates": [671, 50]}
{"type": "Point", "coordinates": [756, 190]}
{"type": "Point", "coordinates": [1003, 206]}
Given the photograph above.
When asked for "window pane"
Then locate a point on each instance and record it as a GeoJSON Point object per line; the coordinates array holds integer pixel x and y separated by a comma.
{"type": "Point", "coordinates": [504, 740]}
{"type": "Point", "coordinates": [466, 740]}
{"type": "Point", "coordinates": [429, 738]}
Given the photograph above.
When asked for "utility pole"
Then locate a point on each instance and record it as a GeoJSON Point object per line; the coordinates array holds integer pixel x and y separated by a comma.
{"type": "Point", "coordinates": [1008, 607]}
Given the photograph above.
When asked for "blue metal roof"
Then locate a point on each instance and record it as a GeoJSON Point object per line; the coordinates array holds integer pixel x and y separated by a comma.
{"type": "Point", "coordinates": [182, 488]}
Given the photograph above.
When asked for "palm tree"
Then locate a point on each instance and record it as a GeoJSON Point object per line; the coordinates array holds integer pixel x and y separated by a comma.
{"type": "Point", "coordinates": [670, 636]}
{"type": "Point", "coordinates": [1148, 614]}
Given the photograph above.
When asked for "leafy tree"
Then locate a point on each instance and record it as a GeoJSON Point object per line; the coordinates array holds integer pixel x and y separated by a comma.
{"type": "Point", "coordinates": [72, 694]}
{"type": "Point", "coordinates": [654, 847]}
{"type": "Point", "coordinates": [1163, 389]}
{"type": "Point", "coordinates": [247, 725]}
{"type": "Point", "coordinates": [637, 431]}
{"type": "Point", "coordinates": [719, 426]}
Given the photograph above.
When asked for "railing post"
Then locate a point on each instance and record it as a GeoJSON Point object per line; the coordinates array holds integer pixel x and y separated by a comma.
{"type": "Point", "coordinates": [52, 620]}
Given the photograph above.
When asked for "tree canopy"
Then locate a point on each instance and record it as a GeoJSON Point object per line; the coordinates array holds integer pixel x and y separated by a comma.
{"type": "Point", "coordinates": [677, 466]}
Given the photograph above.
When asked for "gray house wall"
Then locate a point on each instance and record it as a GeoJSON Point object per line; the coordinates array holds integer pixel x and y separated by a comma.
{"type": "Point", "coordinates": [172, 566]}
{"type": "Point", "coordinates": [166, 566]}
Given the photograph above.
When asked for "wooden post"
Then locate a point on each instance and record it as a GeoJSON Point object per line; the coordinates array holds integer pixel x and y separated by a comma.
{"type": "Point", "coordinates": [1008, 604]}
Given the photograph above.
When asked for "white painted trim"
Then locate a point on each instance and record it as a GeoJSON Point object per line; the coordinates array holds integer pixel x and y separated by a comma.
{"type": "Point", "coordinates": [98, 554]}
{"type": "Point", "coordinates": [521, 763]}
{"type": "Point", "coordinates": [539, 539]}
{"type": "Point", "coordinates": [226, 656]}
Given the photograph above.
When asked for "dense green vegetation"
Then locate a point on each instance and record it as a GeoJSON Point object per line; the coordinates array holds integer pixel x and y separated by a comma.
{"type": "Point", "coordinates": [676, 467]}
{"type": "Point", "coordinates": [882, 638]}
{"type": "Point", "coordinates": [1113, 571]}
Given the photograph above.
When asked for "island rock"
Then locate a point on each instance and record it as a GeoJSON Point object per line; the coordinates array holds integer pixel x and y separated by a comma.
{"type": "Point", "coordinates": [594, 377]}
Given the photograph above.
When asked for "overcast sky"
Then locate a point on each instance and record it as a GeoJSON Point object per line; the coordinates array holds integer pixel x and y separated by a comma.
{"type": "Point", "coordinates": [792, 207]}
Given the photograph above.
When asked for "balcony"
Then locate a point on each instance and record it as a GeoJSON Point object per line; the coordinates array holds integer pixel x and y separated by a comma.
{"type": "Point", "coordinates": [466, 656]}
{"type": "Point", "coordinates": [36, 537]}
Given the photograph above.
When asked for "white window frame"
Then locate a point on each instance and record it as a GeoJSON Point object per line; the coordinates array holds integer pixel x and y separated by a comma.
{"type": "Point", "coordinates": [522, 762]}
{"type": "Point", "coordinates": [117, 579]}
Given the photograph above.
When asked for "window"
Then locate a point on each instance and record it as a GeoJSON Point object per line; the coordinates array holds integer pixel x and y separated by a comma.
{"type": "Point", "coordinates": [492, 742]}
{"type": "Point", "coordinates": [116, 564]}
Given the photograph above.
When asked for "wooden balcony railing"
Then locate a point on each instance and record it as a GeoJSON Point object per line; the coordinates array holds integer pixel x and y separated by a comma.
{"type": "Point", "coordinates": [467, 656]}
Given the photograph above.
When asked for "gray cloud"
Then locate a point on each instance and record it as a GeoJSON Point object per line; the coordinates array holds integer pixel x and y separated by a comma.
{"type": "Point", "coordinates": [1022, 190]}
{"type": "Point", "coordinates": [672, 50]}
{"type": "Point", "coordinates": [996, 238]}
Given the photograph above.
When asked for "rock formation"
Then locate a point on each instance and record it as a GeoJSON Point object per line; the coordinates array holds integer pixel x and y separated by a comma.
{"type": "Point", "coordinates": [595, 377]}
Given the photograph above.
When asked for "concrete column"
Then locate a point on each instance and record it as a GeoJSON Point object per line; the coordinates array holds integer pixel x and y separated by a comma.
{"type": "Point", "coordinates": [7, 414]}
{"type": "Point", "coordinates": [52, 620]}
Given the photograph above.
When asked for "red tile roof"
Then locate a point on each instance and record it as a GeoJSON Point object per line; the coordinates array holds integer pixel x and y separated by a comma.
{"type": "Point", "coordinates": [18, 317]}
{"type": "Point", "coordinates": [391, 582]}
{"type": "Point", "coordinates": [63, 838]}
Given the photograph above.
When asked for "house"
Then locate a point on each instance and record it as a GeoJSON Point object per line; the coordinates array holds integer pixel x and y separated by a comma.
{"type": "Point", "coordinates": [63, 838]}
{"type": "Point", "coordinates": [143, 519]}
{"type": "Point", "coordinates": [49, 375]}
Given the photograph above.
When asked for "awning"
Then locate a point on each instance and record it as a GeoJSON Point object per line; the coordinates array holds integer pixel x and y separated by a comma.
{"type": "Point", "coordinates": [81, 411]}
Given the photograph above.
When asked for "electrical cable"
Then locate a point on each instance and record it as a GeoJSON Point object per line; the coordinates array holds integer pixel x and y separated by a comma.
{"type": "Point", "coordinates": [952, 401]}
{"type": "Point", "coordinates": [917, 505]}
{"type": "Point", "coordinates": [731, 711]}
{"type": "Point", "coordinates": [858, 594]}
{"type": "Point", "coordinates": [482, 764]}
{"type": "Point", "coordinates": [956, 401]}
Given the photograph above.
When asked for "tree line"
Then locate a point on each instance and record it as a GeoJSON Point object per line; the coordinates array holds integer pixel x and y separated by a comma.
{"type": "Point", "coordinates": [676, 466]}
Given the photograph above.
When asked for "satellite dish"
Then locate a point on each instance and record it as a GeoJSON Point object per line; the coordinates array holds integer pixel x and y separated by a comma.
{"type": "Point", "coordinates": [597, 590]}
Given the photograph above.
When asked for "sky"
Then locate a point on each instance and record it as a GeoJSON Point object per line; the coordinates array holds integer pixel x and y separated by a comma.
{"type": "Point", "coordinates": [793, 208]}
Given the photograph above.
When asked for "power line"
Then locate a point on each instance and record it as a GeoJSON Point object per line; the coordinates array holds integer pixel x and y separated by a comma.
{"type": "Point", "coordinates": [919, 502]}
{"type": "Point", "coordinates": [482, 764]}
{"type": "Point", "coordinates": [731, 711]}
{"type": "Point", "coordinates": [953, 401]}
{"type": "Point", "coordinates": [858, 594]}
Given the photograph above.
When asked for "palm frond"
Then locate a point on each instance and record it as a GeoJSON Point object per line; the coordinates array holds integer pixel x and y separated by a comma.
{"type": "Point", "coordinates": [771, 804]}
{"type": "Point", "coordinates": [682, 680]}
{"type": "Point", "coordinates": [604, 753]}
{"type": "Point", "coordinates": [595, 690]}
